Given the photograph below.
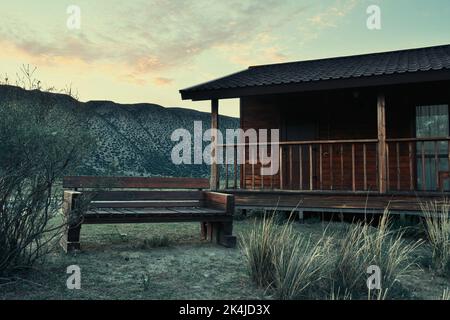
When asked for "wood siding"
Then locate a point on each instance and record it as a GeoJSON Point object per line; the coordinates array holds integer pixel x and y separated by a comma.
{"type": "Point", "coordinates": [258, 113]}
{"type": "Point", "coordinates": [339, 115]}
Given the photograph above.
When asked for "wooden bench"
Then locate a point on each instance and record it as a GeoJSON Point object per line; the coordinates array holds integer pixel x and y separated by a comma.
{"type": "Point", "coordinates": [106, 200]}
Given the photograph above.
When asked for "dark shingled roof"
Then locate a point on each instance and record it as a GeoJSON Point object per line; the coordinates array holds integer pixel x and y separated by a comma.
{"type": "Point", "coordinates": [359, 67]}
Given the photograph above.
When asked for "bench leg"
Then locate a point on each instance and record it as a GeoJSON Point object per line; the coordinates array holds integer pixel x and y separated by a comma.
{"type": "Point", "coordinates": [225, 235]}
{"type": "Point", "coordinates": [203, 230]}
{"type": "Point", "coordinates": [70, 240]}
{"type": "Point", "coordinates": [221, 233]}
{"type": "Point", "coordinates": [211, 231]}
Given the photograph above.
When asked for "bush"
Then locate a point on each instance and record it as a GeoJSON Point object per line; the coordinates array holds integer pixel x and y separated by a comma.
{"type": "Point", "coordinates": [282, 260]}
{"type": "Point", "coordinates": [437, 224]}
{"type": "Point", "coordinates": [299, 265]}
{"type": "Point", "coordinates": [259, 250]}
{"type": "Point", "coordinates": [39, 144]}
{"type": "Point", "coordinates": [362, 246]}
{"type": "Point", "coordinates": [291, 266]}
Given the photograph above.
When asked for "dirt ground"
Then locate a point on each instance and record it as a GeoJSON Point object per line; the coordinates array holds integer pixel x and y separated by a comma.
{"type": "Point", "coordinates": [165, 261]}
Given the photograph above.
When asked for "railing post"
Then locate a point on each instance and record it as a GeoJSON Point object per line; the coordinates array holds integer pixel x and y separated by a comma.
{"type": "Point", "coordinates": [214, 179]}
{"type": "Point", "coordinates": [281, 166]}
{"type": "Point", "coordinates": [382, 161]}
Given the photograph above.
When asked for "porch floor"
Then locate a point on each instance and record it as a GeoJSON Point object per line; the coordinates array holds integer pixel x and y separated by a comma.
{"type": "Point", "coordinates": [332, 201]}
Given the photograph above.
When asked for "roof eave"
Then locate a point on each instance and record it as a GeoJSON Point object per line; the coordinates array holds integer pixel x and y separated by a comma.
{"type": "Point", "coordinates": [332, 84]}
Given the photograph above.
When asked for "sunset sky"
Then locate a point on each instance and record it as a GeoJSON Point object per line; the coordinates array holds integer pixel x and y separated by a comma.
{"type": "Point", "coordinates": [146, 50]}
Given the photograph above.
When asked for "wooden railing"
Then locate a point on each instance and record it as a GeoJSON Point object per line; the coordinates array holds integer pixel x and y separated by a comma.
{"type": "Point", "coordinates": [416, 164]}
{"type": "Point", "coordinates": [327, 165]}
{"type": "Point", "coordinates": [350, 165]}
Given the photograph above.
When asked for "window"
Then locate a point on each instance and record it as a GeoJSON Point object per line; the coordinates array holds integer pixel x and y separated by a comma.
{"type": "Point", "coordinates": [431, 121]}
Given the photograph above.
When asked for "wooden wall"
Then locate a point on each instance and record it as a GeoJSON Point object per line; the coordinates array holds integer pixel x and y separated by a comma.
{"type": "Point", "coordinates": [258, 113]}
{"type": "Point", "coordinates": [338, 115]}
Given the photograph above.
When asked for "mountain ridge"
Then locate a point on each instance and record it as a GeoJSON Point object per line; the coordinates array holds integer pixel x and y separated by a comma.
{"type": "Point", "coordinates": [131, 139]}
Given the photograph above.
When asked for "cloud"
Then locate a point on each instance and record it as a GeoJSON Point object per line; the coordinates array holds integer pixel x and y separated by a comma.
{"type": "Point", "coordinates": [176, 32]}
{"type": "Point", "coordinates": [262, 49]}
{"type": "Point", "coordinates": [150, 36]}
{"type": "Point", "coordinates": [328, 17]}
{"type": "Point", "coordinates": [140, 39]}
{"type": "Point", "coordinates": [162, 81]}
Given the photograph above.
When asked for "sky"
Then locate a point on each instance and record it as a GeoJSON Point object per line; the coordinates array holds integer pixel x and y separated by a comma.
{"type": "Point", "coordinates": [138, 51]}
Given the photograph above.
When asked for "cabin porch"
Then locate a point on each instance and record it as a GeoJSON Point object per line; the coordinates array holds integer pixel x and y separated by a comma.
{"type": "Point", "coordinates": [346, 150]}
{"type": "Point", "coordinates": [357, 132]}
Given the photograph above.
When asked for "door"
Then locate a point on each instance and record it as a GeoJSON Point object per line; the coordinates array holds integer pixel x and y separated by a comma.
{"type": "Point", "coordinates": [299, 127]}
{"type": "Point", "coordinates": [431, 121]}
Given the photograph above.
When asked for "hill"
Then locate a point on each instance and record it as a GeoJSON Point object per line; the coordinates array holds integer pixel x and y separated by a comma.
{"type": "Point", "coordinates": [131, 139]}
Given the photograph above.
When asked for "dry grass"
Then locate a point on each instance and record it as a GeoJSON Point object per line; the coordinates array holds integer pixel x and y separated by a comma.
{"type": "Point", "coordinates": [282, 260]}
{"type": "Point", "coordinates": [298, 264]}
{"type": "Point", "coordinates": [445, 294]}
{"type": "Point", "coordinates": [117, 264]}
{"type": "Point", "coordinates": [437, 223]}
{"type": "Point", "coordinates": [361, 246]}
{"type": "Point", "coordinates": [259, 251]}
{"type": "Point", "coordinates": [335, 265]}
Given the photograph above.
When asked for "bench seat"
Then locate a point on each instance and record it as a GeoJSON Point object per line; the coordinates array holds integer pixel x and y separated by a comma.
{"type": "Point", "coordinates": [92, 203]}
{"type": "Point", "coordinates": [160, 214]}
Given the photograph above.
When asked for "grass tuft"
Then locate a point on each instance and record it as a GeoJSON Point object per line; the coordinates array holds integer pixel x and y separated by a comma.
{"type": "Point", "coordinates": [362, 246]}
{"type": "Point", "coordinates": [259, 251]}
{"type": "Point", "coordinates": [280, 259]}
{"type": "Point", "coordinates": [437, 223]}
{"type": "Point", "coordinates": [298, 264]}
{"type": "Point", "coordinates": [293, 266]}
{"type": "Point", "coordinates": [445, 294]}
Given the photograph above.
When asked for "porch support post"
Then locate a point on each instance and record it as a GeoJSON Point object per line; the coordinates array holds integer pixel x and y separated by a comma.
{"type": "Point", "coordinates": [382, 167]}
{"type": "Point", "coordinates": [214, 179]}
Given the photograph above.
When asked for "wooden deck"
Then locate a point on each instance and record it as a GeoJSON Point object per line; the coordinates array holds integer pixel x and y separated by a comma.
{"type": "Point", "coordinates": [332, 201]}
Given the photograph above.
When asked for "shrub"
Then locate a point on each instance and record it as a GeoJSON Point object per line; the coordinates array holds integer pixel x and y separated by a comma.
{"type": "Point", "coordinates": [362, 246]}
{"type": "Point", "coordinates": [39, 144]}
{"type": "Point", "coordinates": [281, 260]}
{"type": "Point", "coordinates": [259, 250]}
{"type": "Point", "coordinates": [293, 266]}
{"type": "Point", "coordinates": [299, 265]}
{"type": "Point", "coordinates": [437, 224]}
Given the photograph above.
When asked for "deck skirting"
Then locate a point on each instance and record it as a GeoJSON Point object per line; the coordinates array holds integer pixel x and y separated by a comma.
{"type": "Point", "coordinates": [397, 203]}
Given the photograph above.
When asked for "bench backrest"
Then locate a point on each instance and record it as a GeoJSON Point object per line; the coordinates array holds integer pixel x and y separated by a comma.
{"type": "Point", "coordinates": [95, 182]}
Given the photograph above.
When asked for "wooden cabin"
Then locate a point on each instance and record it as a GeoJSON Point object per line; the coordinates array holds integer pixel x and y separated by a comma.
{"type": "Point", "coordinates": [358, 133]}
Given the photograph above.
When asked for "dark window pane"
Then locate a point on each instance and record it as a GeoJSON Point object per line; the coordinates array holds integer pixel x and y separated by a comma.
{"type": "Point", "coordinates": [431, 121]}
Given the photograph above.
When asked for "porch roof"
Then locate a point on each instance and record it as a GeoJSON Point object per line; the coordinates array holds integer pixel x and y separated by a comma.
{"type": "Point", "coordinates": [376, 69]}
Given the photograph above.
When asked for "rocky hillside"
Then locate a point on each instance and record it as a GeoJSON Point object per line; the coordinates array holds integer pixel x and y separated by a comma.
{"type": "Point", "coordinates": [130, 139]}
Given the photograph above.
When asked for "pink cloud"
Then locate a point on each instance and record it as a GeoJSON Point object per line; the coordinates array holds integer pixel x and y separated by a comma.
{"type": "Point", "coordinates": [162, 81]}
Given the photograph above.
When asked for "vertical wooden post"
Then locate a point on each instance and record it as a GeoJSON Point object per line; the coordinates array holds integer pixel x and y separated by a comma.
{"type": "Point", "coordinates": [311, 177]}
{"type": "Point", "coordinates": [71, 236]}
{"type": "Point", "coordinates": [281, 166]}
{"type": "Point", "coordinates": [382, 166]}
{"type": "Point", "coordinates": [301, 217]}
{"type": "Point", "coordinates": [214, 179]}
{"type": "Point", "coordinates": [353, 168]}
